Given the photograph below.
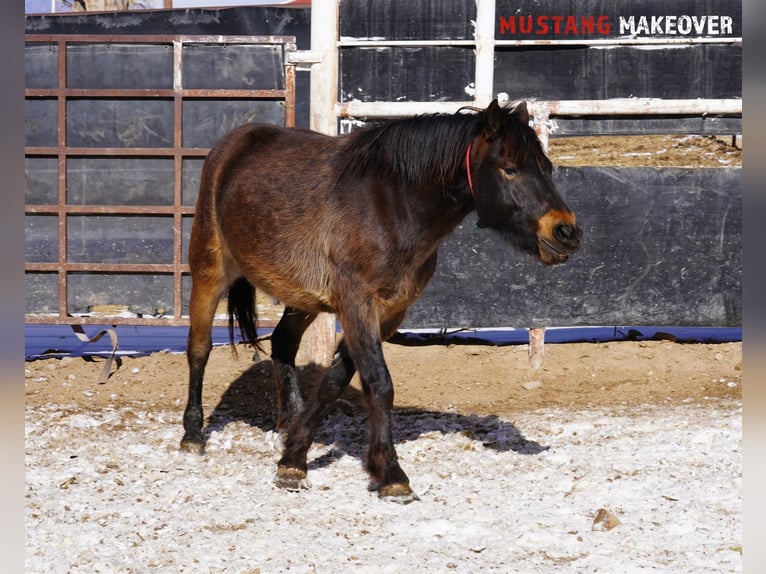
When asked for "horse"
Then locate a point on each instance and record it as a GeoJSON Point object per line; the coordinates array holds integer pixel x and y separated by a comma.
{"type": "Point", "coordinates": [351, 225]}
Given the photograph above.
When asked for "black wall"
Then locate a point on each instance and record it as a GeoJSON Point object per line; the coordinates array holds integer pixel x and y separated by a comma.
{"type": "Point", "coordinates": [660, 247]}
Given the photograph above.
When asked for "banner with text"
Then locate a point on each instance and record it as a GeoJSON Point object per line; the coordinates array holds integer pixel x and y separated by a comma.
{"type": "Point", "coordinates": [569, 20]}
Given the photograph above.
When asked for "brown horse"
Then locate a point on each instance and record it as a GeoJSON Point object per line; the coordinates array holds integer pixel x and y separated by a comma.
{"type": "Point", "coordinates": [351, 225]}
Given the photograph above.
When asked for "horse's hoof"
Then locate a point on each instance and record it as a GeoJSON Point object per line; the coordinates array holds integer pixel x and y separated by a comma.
{"type": "Point", "coordinates": [291, 479]}
{"type": "Point", "coordinates": [193, 446]}
{"type": "Point", "coordinates": [398, 492]}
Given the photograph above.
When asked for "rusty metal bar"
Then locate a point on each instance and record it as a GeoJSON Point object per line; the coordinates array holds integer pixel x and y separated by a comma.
{"type": "Point", "coordinates": [289, 86]}
{"type": "Point", "coordinates": [162, 321]}
{"type": "Point", "coordinates": [118, 151]}
{"type": "Point", "coordinates": [178, 123]}
{"type": "Point", "coordinates": [155, 93]}
{"type": "Point", "coordinates": [155, 39]}
{"type": "Point", "coordinates": [137, 268]}
{"type": "Point", "coordinates": [111, 209]}
{"type": "Point", "coordinates": [62, 177]}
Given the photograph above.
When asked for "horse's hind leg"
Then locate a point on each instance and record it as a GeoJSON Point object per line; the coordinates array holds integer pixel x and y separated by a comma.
{"type": "Point", "coordinates": [205, 293]}
{"type": "Point", "coordinates": [292, 467]}
{"type": "Point", "coordinates": [284, 346]}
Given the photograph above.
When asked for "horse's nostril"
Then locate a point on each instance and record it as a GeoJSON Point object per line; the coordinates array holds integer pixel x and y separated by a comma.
{"type": "Point", "coordinates": [567, 234]}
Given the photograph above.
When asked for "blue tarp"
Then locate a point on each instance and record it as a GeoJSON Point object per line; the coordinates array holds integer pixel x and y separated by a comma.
{"type": "Point", "coordinates": [60, 340]}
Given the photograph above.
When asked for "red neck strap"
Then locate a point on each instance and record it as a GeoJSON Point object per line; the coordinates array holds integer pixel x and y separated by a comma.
{"type": "Point", "coordinates": [468, 168]}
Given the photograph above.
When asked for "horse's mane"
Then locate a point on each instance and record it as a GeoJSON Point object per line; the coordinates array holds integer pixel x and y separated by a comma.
{"type": "Point", "coordinates": [427, 147]}
{"type": "Point", "coordinates": [413, 150]}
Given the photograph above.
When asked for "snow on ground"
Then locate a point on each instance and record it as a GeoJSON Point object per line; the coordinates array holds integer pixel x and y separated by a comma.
{"type": "Point", "coordinates": [109, 491]}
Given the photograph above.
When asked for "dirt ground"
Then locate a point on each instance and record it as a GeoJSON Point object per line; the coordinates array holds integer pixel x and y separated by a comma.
{"type": "Point", "coordinates": [463, 379]}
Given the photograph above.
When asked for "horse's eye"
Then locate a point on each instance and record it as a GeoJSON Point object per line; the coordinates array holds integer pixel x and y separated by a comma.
{"type": "Point", "coordinates": [510, 171]}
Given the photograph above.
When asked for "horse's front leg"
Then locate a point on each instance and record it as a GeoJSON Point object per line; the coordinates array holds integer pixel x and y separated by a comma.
{"type": "Point", "coordinates": [364, 341]}
{"type": "Point", "coordinates": [382, 462]}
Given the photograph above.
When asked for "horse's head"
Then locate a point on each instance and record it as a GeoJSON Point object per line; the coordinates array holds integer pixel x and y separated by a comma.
{"type": "Point", "coordinates": [513, 186]}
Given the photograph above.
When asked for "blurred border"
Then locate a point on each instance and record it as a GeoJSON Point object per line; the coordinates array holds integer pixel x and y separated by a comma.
{"type": "Point", "coordinates": [12, 286]}
{"type": "Point", "coordinates": [754, 305]}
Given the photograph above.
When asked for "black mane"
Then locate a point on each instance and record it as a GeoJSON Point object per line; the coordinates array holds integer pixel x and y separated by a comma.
{"type": "Point", "coordinates": [428, 147]}
{"type": "Point", "coordinates": [413, 150]}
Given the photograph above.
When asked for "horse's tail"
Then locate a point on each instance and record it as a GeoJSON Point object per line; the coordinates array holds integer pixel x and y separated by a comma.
{"type": "Point", "coordinates": [241, 305]}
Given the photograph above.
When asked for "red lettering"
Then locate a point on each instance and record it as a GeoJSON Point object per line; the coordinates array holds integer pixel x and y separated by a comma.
{"type": "Point", "coordinates": [571, 25]}
{"type": "Point", "coordinates": [604, 27]}
{"type": "Point", "coordinates": [587, 25]}
{"type": "Point", "coordinates": [557, 24]}
{"type": "Point", "coordinates": [507, 25]}
{"type": "Point", "coordinates": [525, 29]}
{"type": "Point", "coordinates": [542, 25]}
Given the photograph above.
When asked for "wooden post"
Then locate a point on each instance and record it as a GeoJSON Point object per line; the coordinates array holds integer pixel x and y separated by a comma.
{"type": "Point", "coordinates": [537, 334]}
{"type": "Point", "coordinates": [536, 348]}
{"type": "Point", "coordinates": [318, 344]}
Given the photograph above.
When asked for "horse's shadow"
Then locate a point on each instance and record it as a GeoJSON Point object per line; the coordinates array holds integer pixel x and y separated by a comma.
{"type": "Point", "coordinates": [251, 399]}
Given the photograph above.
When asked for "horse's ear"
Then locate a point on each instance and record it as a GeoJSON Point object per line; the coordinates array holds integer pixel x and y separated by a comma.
{"type": "Point", "coordinates": [495, 121]}
{"type": "Point", "coordinates": [521, 113]}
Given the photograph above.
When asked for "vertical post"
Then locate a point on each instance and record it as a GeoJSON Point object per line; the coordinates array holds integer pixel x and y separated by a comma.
{"type": "Point", "coordinates": [318, 344]}
{"type": "Point", "coordinates": [484, 76]}
{"type": "Point", "coordinates": [484, 92]}
{"type": "Point", "coordinates": [541, 117]}
{"type": "Point", "coordinates": [324, 73]}
{"type": "Point", "coordinates": [536, 348]}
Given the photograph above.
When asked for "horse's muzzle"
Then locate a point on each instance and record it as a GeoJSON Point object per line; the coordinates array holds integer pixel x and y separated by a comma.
{"type": "Point", "coordinates": [558, 236]}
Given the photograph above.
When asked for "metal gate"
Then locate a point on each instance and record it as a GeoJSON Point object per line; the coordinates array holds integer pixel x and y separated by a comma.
{"type": "Point", "coordinates": [117, 129]}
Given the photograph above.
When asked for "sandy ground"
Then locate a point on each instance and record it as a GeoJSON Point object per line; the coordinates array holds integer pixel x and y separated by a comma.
{"type": "Point", "coordinates": [512, 467]}
{"type": "Point", "coordinates": [461, 378]}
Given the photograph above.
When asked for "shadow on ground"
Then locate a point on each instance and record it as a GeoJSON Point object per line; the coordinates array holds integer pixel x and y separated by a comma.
{"type": "Point", "coordinates": [251, 399]}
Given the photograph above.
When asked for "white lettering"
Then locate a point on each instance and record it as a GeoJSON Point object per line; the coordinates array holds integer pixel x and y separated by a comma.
{"type": "Point", "coordinates": [712, 25]}
{"type": "Point", "coordinates": [643, 26]}
{"type": "Point", "coordinates": [627, 26]}
{"type": "Point", "coordinates": [684, 25]}
{"type": "Point", "coordinates": [670, 27]}
{"type": "Point", "coordinates": [727, 25]}
{"type": "Point", "coordinates": [699, 23]}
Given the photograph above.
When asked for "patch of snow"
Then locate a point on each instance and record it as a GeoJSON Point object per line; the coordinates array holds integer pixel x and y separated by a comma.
{"type": "Point", "coordinates": [110, 491]}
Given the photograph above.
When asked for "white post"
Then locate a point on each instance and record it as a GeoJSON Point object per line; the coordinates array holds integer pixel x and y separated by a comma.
{"type": "Point", "coordinates": [324, 73]}
{"type": "Point", "coordinates": [318, 345]}
{"type": "Point", "coordinates": [484, 75]}
{"type": "Point", "coordinates": [536, 348]}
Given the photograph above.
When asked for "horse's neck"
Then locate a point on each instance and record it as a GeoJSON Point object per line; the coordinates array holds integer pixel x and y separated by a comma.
{"type": "Point", "coordinates": [438, 209]}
